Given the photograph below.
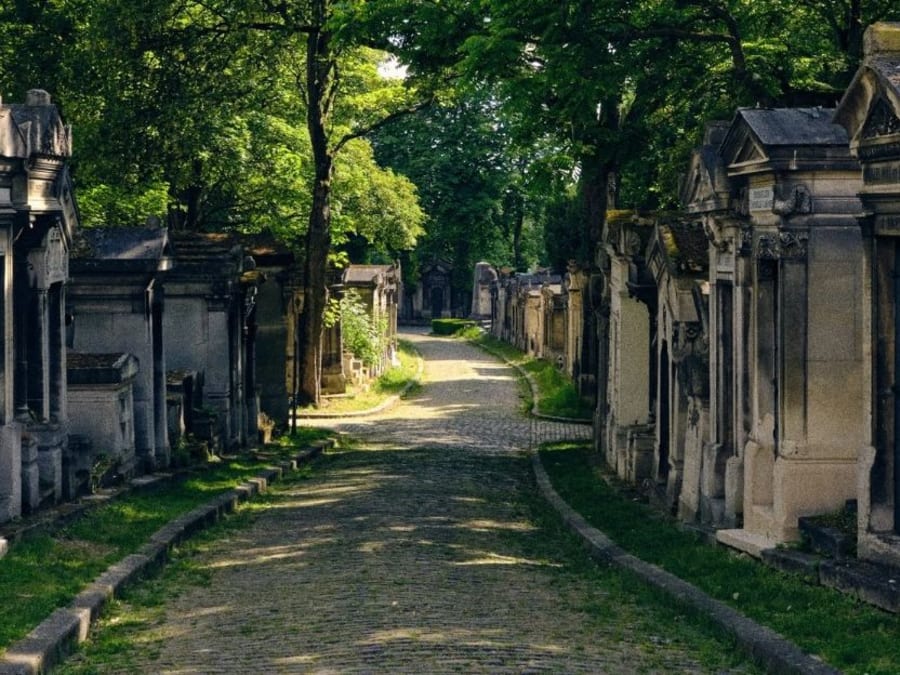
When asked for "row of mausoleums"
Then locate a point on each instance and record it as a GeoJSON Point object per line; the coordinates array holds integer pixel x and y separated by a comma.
{"type": "Point", "coordinates": [749, 345]}
{"type": "Point", "coordinates": [121, 345]}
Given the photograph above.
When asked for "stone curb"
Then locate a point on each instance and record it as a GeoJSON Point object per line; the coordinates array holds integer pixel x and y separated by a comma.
{"type": "Point", "coordinates": [769, 649]}
{"type": "Point", "coordinates": [532, 385]}
{"type": "Point", "coordinates": [381, 407]}
{"type": "Point", "coordinates": [49, 644]}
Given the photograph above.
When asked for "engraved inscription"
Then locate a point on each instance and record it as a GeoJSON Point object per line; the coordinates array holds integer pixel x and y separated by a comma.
{"type": "Point", "coordinates": [760, 199]}
{"type": "Point", "coordinates": [882, 173]}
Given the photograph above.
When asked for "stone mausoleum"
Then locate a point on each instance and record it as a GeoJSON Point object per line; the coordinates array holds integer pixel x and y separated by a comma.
{"type": "Point", "coordinates": [37, 218]}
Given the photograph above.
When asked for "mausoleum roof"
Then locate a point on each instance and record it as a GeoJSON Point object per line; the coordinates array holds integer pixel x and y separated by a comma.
{"type": "Point", "coordinates": [122, 243]}
{"type": "Point", "coordinates": [684, 245]}
{"type": "Point", "coordinates": [365, 274]}
{"type": "Point", "coordinates": [206, 255]}
{"type": "Point", "coordinates": [794, 126]}
{"type": "Point", "coordinates": [98, 369]}
{"type": "Point", "coordinates": [33, 128]}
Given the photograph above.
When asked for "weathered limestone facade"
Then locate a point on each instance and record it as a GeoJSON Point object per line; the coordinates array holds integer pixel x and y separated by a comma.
{"type": "Point", "coordinates": [116, 302]}
{"type": "Point", "coordinates": [209, 324]}
{"type": "Point", "coordinates": [574, 287]}
{"type": "Point", "coordinates": [677, 258]}
{"type": "Point", "coordinates": [37, 218]}
{"type": "Point", "coordinates": [485, 277]}
{"type": "Point", "coordinates": [713, 492]}
{"type": "Point", "coordinates": [870, 112]}
{"type": "Point", "coordinates": [433, 297]}
{"type": "Point", "coordinates": [530, 312]}
{"type": "Point", "coordinates": [101, 407]}
{"type": "Point", "coordinates": [629, 425]}
{"type": "Point", "coordinates": [279, 301]}
{"type": "Point", "coordinates": [794, 188]}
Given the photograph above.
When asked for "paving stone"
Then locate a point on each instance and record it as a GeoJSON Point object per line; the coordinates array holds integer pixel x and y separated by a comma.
{"type": "Point", "coordinates": [410, 553]}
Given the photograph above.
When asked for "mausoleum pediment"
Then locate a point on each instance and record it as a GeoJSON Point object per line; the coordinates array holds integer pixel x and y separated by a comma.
{"type": "Point", "coordinates": [765, 139]}
{"type": "Point", "coordinates": [870, 108]}
{"type": "Point", "coordinates": [33, 128]}
{"type": "Point", "coordinates": [706, 186]}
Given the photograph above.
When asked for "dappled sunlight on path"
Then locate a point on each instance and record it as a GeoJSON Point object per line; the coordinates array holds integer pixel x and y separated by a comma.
{"type": "Point", "coordinates": [412, 550]}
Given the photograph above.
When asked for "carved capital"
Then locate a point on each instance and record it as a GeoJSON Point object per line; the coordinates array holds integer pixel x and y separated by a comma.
{"type": "Point", "coordinates": [767, 247]}
{"type": "Point", "coordinates": [793, 245]}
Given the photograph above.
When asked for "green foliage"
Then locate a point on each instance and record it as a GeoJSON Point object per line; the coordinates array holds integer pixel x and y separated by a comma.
{"type": "Point", "coordinates": [395, 380]}
{"type": "Point", "coordinates": [363, 334]}
{"type": "Point", "coordinates": [114, 205]}
{"type": "Point", "coordinates": [450, 326]}
{"type": "Point", "coordinates": [556, 393]}
{"type": "Point", "coordinates": [399, 378]}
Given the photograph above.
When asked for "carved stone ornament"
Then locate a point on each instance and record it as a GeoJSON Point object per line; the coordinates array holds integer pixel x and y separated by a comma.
{"type": "Point", "coordinates": [597, 289]}
{"type": "Point", "coordinates": [786, 245]}
{"type": "Point", "coordinates": [799, 201]}
{"type": "Point", "coordinates": [746, 240]}
{"type": "Point", "coordinates": [882, 121]}
{"type": "Point", "coordinates": [793, 245]}
{"type": "Point", "coordinates": [691, 352]}
{"type": "Point", "coordinates": [632, 243]}
{"type": "Point", "coordinates": [767, 247]}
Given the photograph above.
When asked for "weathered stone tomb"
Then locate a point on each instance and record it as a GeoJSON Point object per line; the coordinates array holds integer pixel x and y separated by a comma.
{"type": "Point", "coordinates": [870, 112]}
{"type": "Point", "coordinates": [116, 303]}
{"type": "Point", "coordinates": [37, 218]}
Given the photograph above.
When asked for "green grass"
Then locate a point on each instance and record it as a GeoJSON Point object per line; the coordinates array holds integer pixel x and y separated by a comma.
{"type": "Point", "coordinates": [848, 634]}
{"type": "Point", "coordinates": [390, 383]}
{"type": "Point", "coordinates": [451, 326]}
{"type": "Point", "coordinates": [47, 569]}
{"type": "Point", "coordinates": [556, 392]}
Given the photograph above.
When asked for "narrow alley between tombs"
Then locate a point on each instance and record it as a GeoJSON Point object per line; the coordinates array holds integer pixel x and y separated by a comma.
{"type": "Point", "coordinates": [420, 546]}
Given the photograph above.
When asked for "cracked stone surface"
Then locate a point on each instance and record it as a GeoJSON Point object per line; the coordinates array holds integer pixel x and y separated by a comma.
{"type": "Point", "coordinates": [415, 551]}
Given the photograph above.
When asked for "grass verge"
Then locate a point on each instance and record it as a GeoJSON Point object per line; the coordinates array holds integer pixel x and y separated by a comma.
{"type": "Point", "coordinates": [47, 568]}
{"type": "Point", "coordinates": [556, 392]}
{"type": "Point", "coordinates": [389, 384]}
{"type": "Point", "coordinates": [848, 634]}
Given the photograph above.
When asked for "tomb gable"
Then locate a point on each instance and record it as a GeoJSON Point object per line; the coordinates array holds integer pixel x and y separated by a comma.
{"type": "Point", "coordinates": [870, 108]}
{"type": "Point", "coordinates": [765, 139]}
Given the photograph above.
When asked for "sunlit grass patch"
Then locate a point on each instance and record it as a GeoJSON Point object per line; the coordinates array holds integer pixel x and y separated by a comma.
{"type": "Point", "coordinates": [392, 382]}
{"type": "Point", "coordinates": [850, 635]}
{"type": "Point", "coordinates": [46, 569]}
{"type": "Point", "coordinates": [556, 393]}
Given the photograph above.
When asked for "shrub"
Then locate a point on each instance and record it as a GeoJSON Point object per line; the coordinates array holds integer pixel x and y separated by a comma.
{"type": "Point", "coordinates": [450, 326]}
{"type": "Point", "coordinates": [363, 337]}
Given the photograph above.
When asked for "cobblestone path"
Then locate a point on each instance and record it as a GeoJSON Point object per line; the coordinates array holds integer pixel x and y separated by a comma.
{"type": "Point", "coordinates": [417, 551]}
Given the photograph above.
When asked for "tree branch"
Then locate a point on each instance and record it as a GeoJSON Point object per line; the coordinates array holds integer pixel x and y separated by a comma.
{"type": "Point", "coordinates": [384, 121]}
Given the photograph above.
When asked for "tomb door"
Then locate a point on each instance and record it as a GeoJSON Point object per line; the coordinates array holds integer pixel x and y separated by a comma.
{"type": "Point", "coordinates": [725, 394]}
{"type": "Point", "coordinates": [885, 476]}
{"type": "Point", "coordinates": [437, 302]}
{"type": "Point", "coordinates": [664, 403]}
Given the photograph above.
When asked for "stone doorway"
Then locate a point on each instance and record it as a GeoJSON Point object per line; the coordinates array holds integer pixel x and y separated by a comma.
{"type": "Point", "coordinates": [437, 302]}
{"type": "Point", "coordinates": [885, 473]}
{"type": "Point", "coordinates": [662, 472]}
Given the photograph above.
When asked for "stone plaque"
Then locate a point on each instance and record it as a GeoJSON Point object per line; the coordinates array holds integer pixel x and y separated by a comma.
{"type": "Point", "coordinates": [883, 173]}
{"type": "Point", "coordinates": [760, 199]}
{"type": "Point", "coordinates": [57, 260]}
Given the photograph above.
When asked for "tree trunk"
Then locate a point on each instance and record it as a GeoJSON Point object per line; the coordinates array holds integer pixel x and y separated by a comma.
{"type": "Point", "coordinates": [320, 73]}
